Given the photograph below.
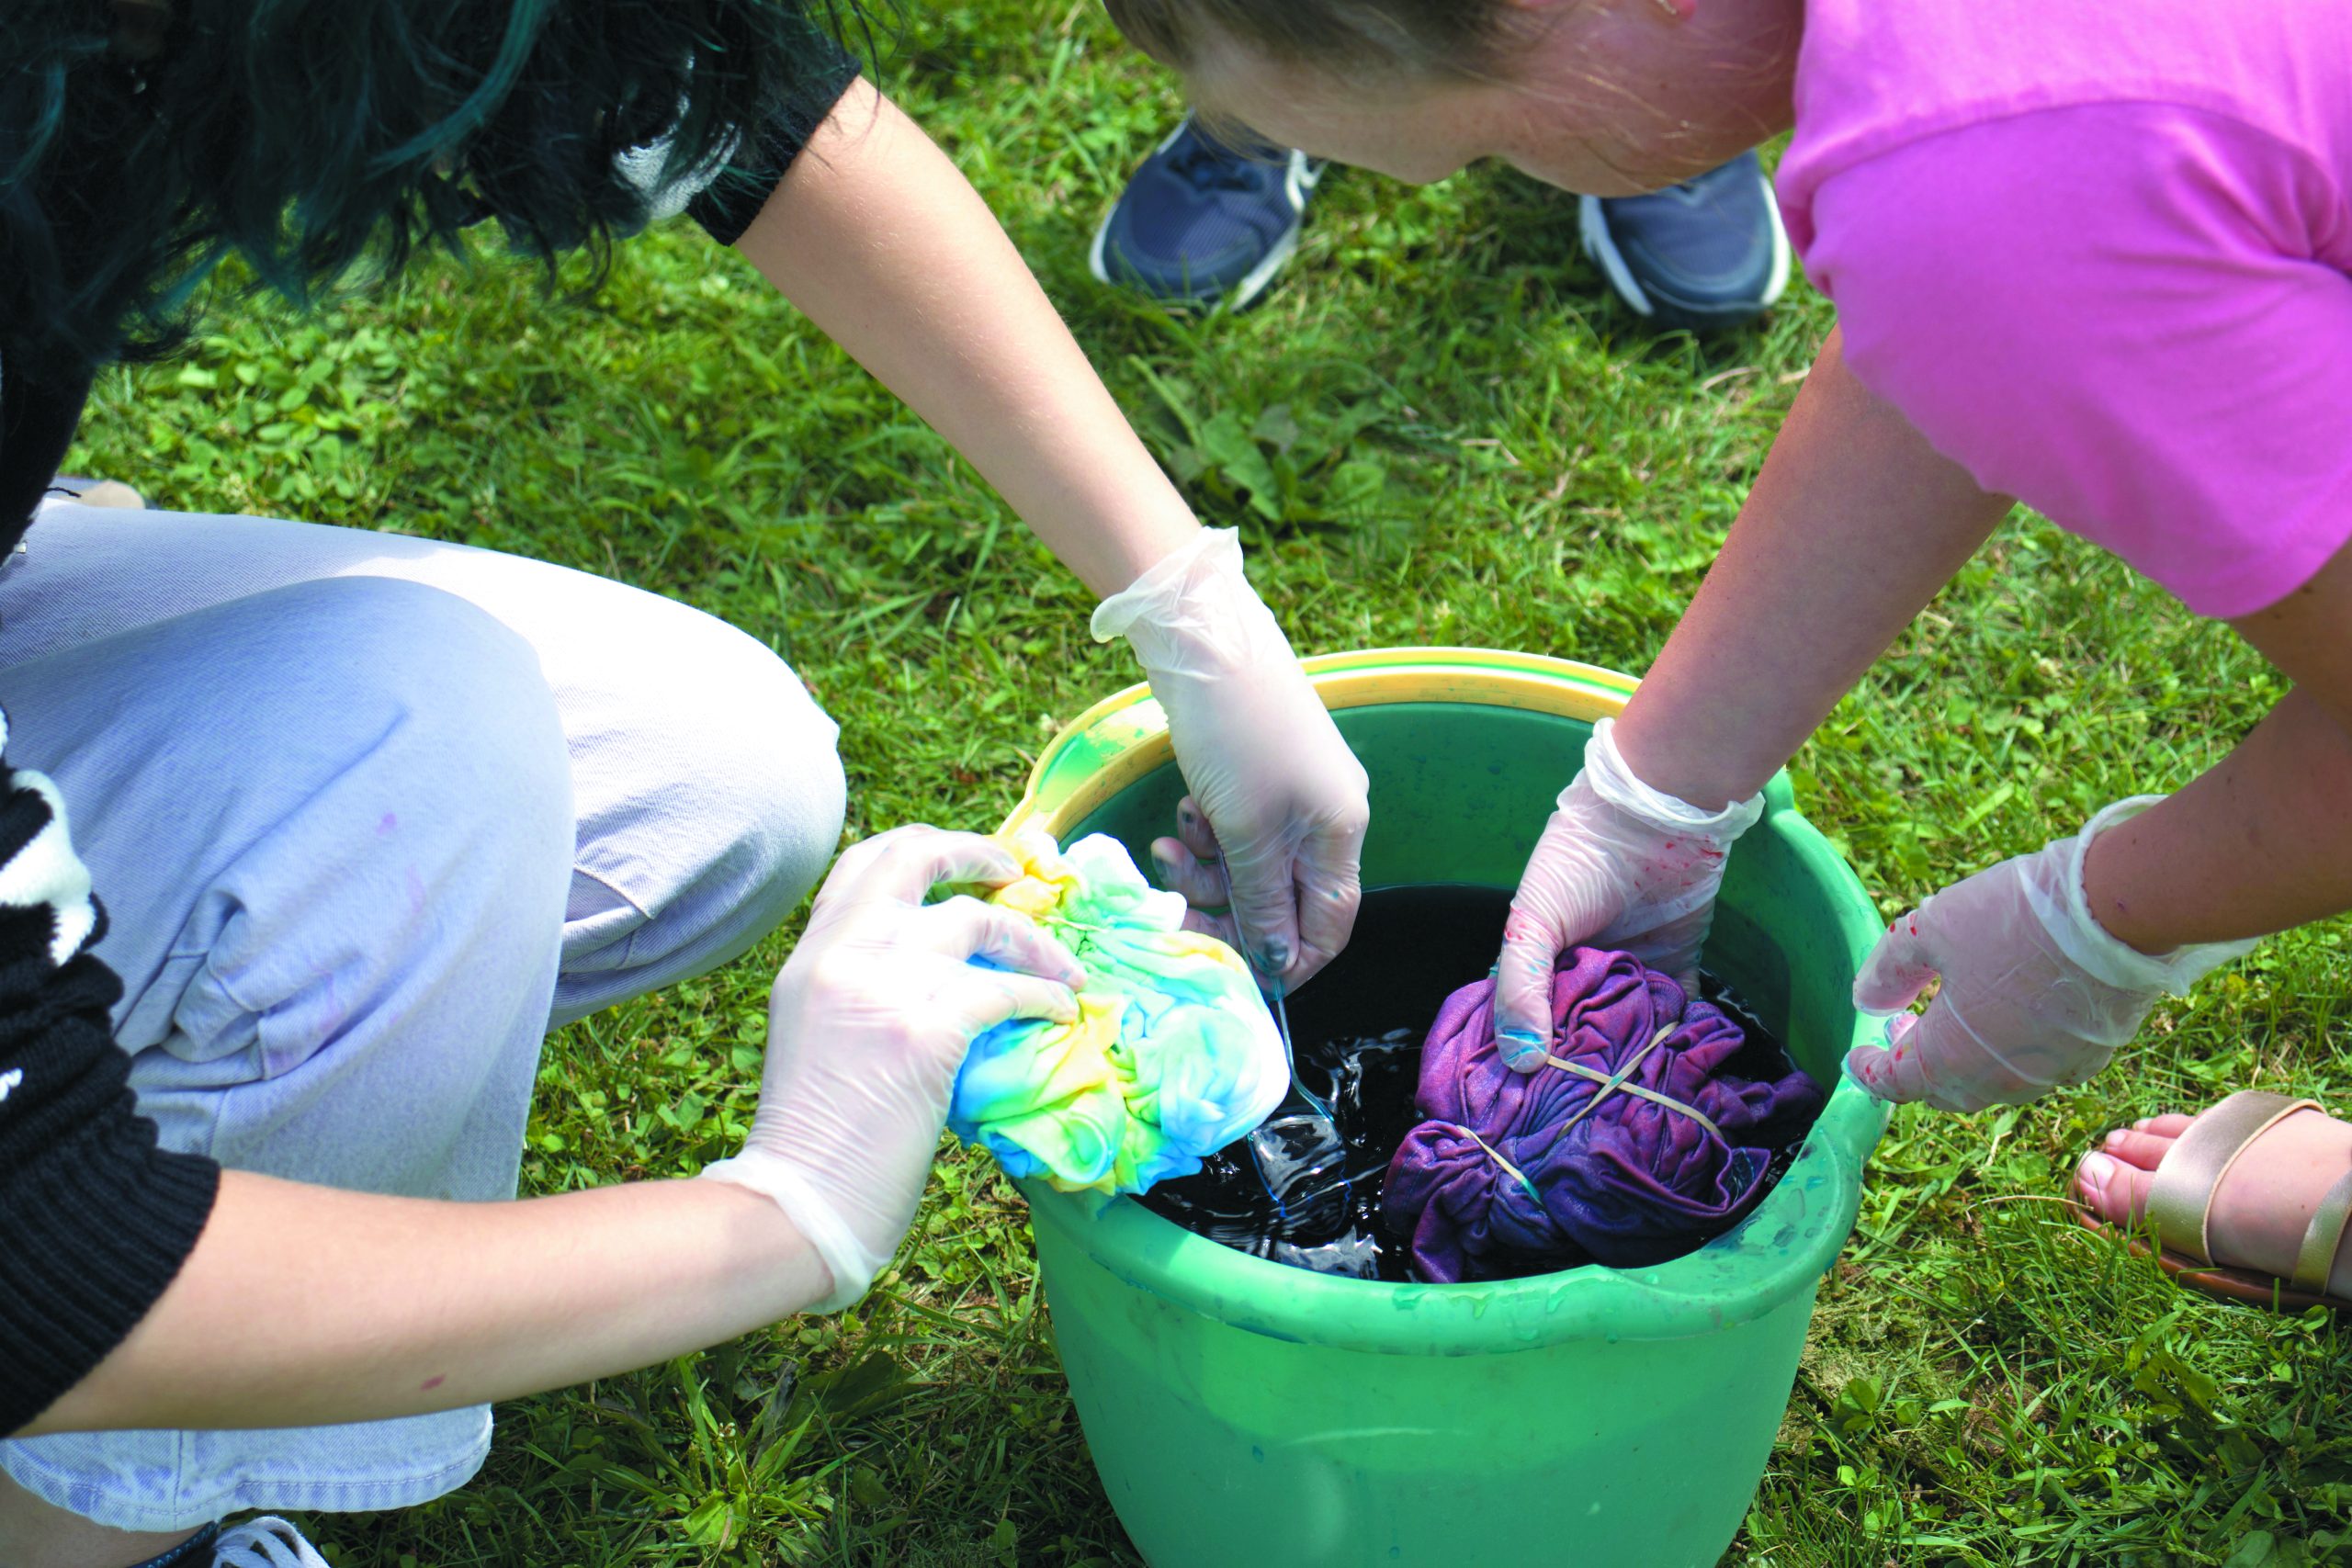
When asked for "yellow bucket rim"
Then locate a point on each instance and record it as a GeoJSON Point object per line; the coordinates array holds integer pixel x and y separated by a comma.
{"type": "Point", "coordinates": [1125, 737]}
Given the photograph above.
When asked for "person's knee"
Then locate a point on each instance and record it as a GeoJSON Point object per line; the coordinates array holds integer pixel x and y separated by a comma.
{"type": "Point", "coordinates": [733, 810]}
{"type": "Point", "coordinates": [426, 744]}
{"type": "Point", "coordinates": [461, 700]}
{"type": "Point", "coordinates": [762, 800]}
{"type": "Point", "coordinates": [794, 799]}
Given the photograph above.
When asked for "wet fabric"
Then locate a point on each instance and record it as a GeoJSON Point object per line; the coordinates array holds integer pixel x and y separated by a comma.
{"type": "Point", "coordinates": [1631, 1145]}
{"type": "Point", "coordinates": [1173, 1054]}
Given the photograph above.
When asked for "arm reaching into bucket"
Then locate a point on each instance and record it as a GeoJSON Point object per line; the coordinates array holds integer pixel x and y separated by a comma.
{"type": "Point", "coordinates": [874, 235]}
{"type": "Point", "coordinates": [2036, 993]}
{"type": "Point", "coordinates": [2051, 961]}
{"type": "Point", "coordinates": [385, 1306]}
{"type": "Point", "coordinates": [1852, 526]}
{"type": "Point", "coordinates": [1276, 795]}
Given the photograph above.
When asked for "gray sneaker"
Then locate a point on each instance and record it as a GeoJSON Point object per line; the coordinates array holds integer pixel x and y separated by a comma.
{"type": "Point", "coordinates": [1201, 221]}
{"type": "Point", "coordinates": [1703, 255]}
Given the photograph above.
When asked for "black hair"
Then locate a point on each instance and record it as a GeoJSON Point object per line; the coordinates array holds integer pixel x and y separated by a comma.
{"type": "Point", "coordinates": [142, 142]}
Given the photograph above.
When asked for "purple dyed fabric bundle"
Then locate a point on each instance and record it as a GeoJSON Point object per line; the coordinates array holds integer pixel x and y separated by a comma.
{"type": "Point", "coordinates": [1515, 1174]}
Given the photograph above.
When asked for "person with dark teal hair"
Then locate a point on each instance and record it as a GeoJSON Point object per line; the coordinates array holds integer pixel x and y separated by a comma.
{"type": "Point", "coordinates": [309, 834]}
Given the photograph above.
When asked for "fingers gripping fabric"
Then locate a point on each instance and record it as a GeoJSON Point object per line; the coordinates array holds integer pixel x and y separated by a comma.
{"type": "Point", "coordinates": [1173, 1054]}
{"type": "Point", "coordinates": [1621, 864]}
{"type": "Point", "coordinates": [1627, 1146]}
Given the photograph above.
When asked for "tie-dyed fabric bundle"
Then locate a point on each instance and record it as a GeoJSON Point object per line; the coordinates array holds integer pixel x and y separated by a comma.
{"type": "Point", "coordinates": [1173, 1054]}
{"type": "Point", "coordinates": [1632, 1144]}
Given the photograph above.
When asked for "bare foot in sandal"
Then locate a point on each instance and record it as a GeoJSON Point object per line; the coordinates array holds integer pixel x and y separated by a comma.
{"type": "Point", "coordinates": [2263, 1204]}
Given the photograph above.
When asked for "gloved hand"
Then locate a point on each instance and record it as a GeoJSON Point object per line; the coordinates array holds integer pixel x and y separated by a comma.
{"type": "Point", "coordinates": [2035, 991]}
{"type": "Point", "coordinates": [1275, 790]}
{"type": "Point", "coordinates": [867, 1025]}
{"type": "Point", "coordinates": [1620, 865]}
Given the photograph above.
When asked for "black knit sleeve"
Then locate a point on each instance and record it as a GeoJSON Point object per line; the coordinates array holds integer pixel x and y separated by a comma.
{"type": "Point", "coordinates": [726, 206]}
{"type": "Point", "coordinates": [95, 1219]}
{"type": "Point", "coordinates": [36, 422]}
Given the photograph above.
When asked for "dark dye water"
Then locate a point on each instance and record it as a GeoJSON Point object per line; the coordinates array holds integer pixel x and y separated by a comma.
{"type": "Point", "coordinates": [1358, 1028]}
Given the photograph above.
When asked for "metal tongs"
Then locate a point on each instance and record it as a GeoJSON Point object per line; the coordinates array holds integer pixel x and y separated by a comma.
{"type": "Point", "coordinates": [1298, 1149]}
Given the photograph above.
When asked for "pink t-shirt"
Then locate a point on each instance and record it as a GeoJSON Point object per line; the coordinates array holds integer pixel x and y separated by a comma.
{"type": "Point", "coordinates": [2099, 255]}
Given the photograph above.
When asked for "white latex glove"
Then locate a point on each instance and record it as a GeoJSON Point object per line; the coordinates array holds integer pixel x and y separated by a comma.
{"type": "Point", "coordinates": [867, 1025]}
{"type": "Point", "coordinates": [1620, 865]}
{"type": "Point", "coordinates": [2035, 991]}
{"type": "Point", "coordinates": [1283, 798]}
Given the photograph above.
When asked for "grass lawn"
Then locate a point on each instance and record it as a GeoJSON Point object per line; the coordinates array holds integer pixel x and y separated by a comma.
{"type": "Point", "coordinates": [1436, 429]}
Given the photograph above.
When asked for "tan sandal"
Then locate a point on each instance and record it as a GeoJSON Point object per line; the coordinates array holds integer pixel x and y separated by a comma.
{"type": "Point", "coordinates": [2180, 1208]}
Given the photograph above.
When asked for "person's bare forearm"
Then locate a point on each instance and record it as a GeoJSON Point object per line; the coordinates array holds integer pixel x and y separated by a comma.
{"type": "Point", "coordinates": [2260, 842]}
{"type": "Point", "coordinates": [304, 1305]}
{"type": "Point", "coordinates": [2263, 840]}
{"type": "Point", "coordinates": [876, 237]}
{"type": "Point", "coordinates": [1851, 528]}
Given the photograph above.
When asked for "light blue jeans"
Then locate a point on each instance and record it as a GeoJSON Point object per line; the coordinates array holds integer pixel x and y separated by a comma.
{"type": "Point", "coordinates": [370, 815]}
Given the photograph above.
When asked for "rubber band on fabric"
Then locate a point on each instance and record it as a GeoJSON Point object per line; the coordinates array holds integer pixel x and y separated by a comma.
{"type": "Point", "coordinates": [1172, 1056]}
{"type": "Point", "coordinates": [1612, 1082]}
{"type": "Point", "coordinates": [1493, 1154]}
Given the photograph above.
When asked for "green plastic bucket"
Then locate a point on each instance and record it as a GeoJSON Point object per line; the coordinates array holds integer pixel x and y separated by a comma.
{"type": "Point", "coordinates": [1242, 1412]}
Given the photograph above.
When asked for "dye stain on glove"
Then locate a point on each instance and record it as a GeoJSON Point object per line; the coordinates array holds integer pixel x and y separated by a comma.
{"type": "Point", "coordinates": [1635, 1142]}
{"type": "Point", "coordinates": [1173, 1054]}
